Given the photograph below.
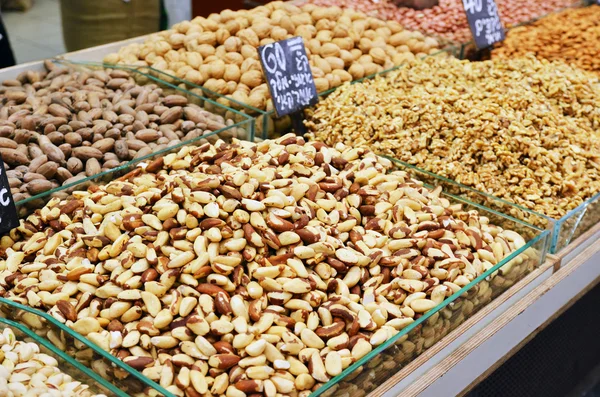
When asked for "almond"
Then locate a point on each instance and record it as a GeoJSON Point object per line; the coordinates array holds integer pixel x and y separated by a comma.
{"type": "Point", "coordinates": [38, 186]}
{"type": "Point", "coordinates": [122, 150]}
{"type": "Point", "coordinates": [59, 111]}
{"type": "Point", "coordinates": [194, 115]}
{"type": "Point", "coordinates": [7, 143]}
{"type": "Point", "coordinates": [51, 150]}
{"type": "Point", "coordinates": [48, 169]}
{"type": "Point", "coordinates": [92, 167]}
{"type": "Point", "coordinates": [16, 95]}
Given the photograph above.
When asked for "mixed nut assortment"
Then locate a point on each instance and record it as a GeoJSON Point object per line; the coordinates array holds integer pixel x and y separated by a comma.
{"type": "Point", "coordinates": [63, 125]}
{"type": "Point", "coordinates": [524, 130]}
{"type": "Point", "coordinates": [26, 371]}
{"type": "Point", "coordinates": [448, 19]}
{"type": "Point", "coordinates": [236, 268]}
{"type": "Point", "coordinates": [220, 52]}
{"type": "Point", "coordinates": [571, 36]}
{"type": "Point", "coordinates": [250, 268]}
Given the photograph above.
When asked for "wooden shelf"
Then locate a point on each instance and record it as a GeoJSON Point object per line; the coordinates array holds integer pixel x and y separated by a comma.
{"type": "Point", "coordinates": [474, 350]}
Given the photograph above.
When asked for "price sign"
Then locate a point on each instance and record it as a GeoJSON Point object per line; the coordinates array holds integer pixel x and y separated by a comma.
{"type": "Point", "coordinates": [288, 75]}
{"type": "Point", "coordinates": [484, 22]}
{"type": "Point", "coordinates": [8, 212]}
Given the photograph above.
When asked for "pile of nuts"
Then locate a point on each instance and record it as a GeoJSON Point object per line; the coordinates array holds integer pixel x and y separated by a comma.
{"type": "Point", "coordinates": [64, 125]}
{"type": "Point", "coordinates": [250, 268]}
{"type": "Point", "coordinates": [571, 36]}
{"type": "Point", "coordinates": [524, 130]}
{"type": "Point", "coordinates": [220, 52]}
{"type": "Point", "coordinates": [25, 371]}
{"type": "Point", "coordinates": [448, 19]}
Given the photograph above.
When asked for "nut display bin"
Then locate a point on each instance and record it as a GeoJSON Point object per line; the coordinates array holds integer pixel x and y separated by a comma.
{"type": "Point", "coordinates": [239, 125]}
{"type": "Point", "coordinates": [387, 359]}
{"type": "Point", "coordinates": [563, 230]}
{"type": "Point", "coordinates": [76, 356]}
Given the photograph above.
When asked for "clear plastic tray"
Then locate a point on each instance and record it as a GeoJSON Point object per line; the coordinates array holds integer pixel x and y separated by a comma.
{"type": "Point", "coordinates": [110, 367]}
{"type": "Point", "coordinates": [76, 356]}
{"type": "Point", "coordinates": [563, 230]}
{"type": "Point", "coordinates": [239, 125]}
{"type": "Point", "coordinates": [148, 75]}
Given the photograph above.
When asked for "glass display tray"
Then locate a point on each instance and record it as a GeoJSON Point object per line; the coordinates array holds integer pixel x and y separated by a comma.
{"type": "Point", "coordinates": [563, 230]}
{"type": "Point", "coordinates": [467, 49]}
{"type": "Point", "coordinates": [273, 126]}
{"type": "Point", "coordinates": [387, 359]}
{"type": "Point", "coordinates": [239, 125]}
{"type": "Point", "coordinates": [76, 355]}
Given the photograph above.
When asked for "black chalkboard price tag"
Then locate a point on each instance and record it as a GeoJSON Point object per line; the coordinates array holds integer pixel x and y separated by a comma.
{"type": "Point", "coordinates": [484, 22]}
{"type": "Point", "coordinates": [8, 211]}
{"type": "Point", "coordinates": [289, 78]}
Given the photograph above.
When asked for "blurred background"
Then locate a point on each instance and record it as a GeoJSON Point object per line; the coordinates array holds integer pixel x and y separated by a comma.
{"type": "Point", "coordinates": [39, 29]}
